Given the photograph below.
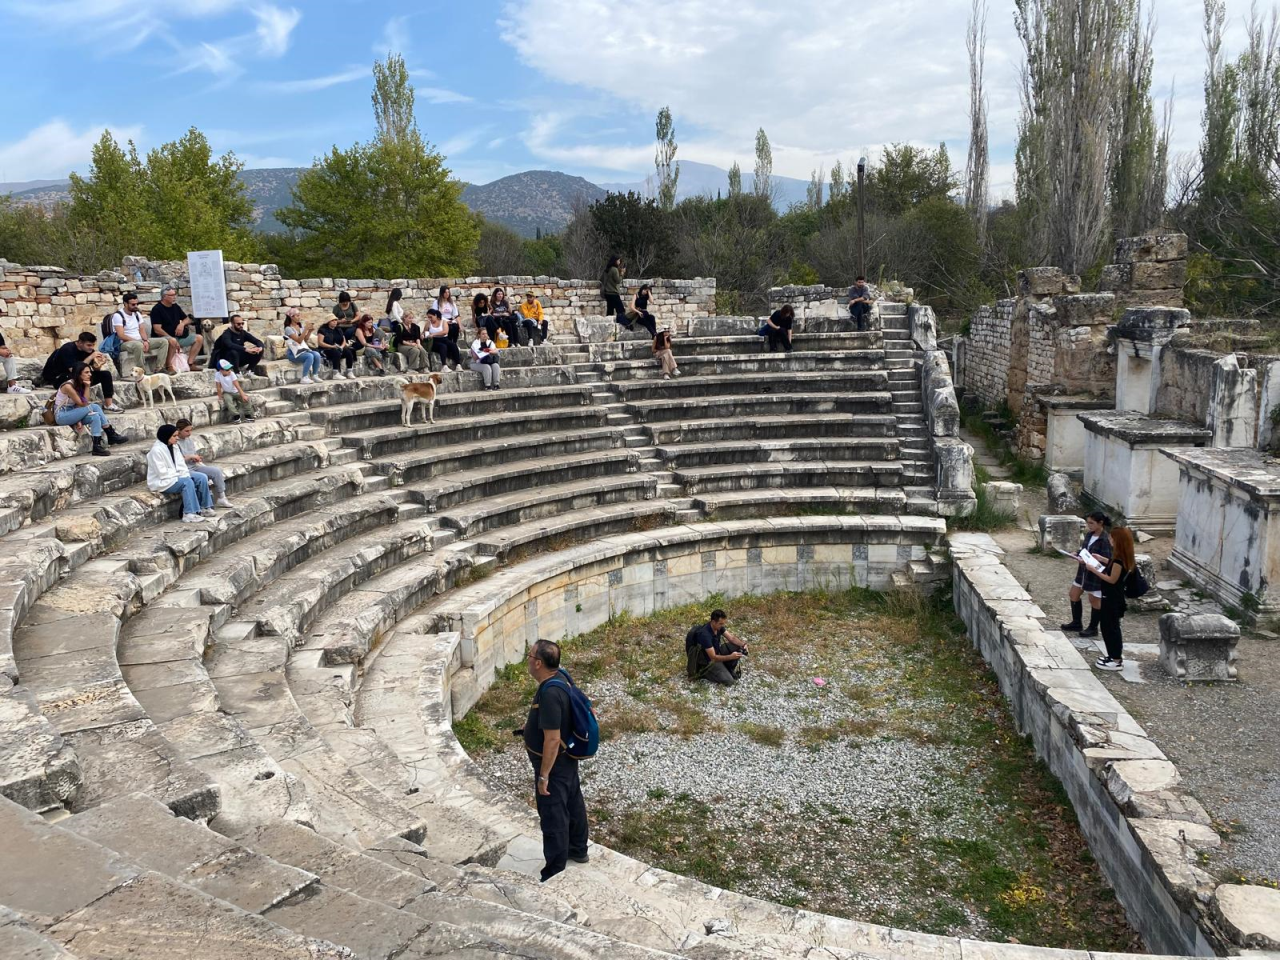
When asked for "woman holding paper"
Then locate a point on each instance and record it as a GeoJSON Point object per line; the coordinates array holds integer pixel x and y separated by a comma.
{"type": "Point", "coordinates": [1116, 568]}
{"type": "Point", "coordinates": [1086, 581]}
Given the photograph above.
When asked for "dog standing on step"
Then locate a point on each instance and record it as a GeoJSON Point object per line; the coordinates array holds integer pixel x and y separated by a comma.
{"type": "Point", "coordinates": [153, 383]}
{"type": "Point", "coordinates": [411, 393]}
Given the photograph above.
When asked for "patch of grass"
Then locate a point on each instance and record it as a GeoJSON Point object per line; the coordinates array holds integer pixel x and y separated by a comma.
{"type": "Point", "coordinates": [763, 734]}
{"type": "Point", "coordinates": [1029, 473]}
{"type": "Point", "coordinates": [475, 735]}
{"type": "Point", "coordinates": [986, 516]}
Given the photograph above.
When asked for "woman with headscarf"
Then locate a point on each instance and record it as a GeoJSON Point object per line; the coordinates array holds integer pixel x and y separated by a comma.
{"type": "Point", "coordinates": [167, 472]}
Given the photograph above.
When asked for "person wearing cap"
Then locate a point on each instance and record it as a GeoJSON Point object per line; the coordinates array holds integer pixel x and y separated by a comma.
{"type": "Point", "coordinates": [235, 402]}
{"type": "Point", "coordinates": [531, 317]}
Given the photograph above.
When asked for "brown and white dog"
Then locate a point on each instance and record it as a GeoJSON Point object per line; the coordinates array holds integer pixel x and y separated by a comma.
{"type": "Point", "coordinates": [411, 393]}
{"type": "Point", "coordinates": [156, 382]}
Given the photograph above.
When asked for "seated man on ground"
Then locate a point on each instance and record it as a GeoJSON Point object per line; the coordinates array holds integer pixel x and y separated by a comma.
{"type": "Point", "coordinates": [10, 369]}
{"type": "Point", "coordinates": [135, 335]}
{"type": "Point", "coordinates": [167, 473]}
{"type": "Point", "coordinates": [195, 463]}
{"type": "Point", "coordinates": [240, 348]}
{"type": "Point", "coordinates": [713, 652]}
{"type": "Point", "coordinates": [179, 329]}
{"type": "Point", "coordinates": [236, 404]}
{"type": "Point", "coordinates": [860, 303]}
{"type": "Point", "coordinates": [57, 369]}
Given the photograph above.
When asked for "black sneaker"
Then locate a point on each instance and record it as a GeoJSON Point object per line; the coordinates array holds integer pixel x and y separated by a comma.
{"type": "Point", "coordinates": [1089, 632]}
{"type": "Point", "coordinates": [585, 858]}
{"type": "Point", "coordinates": [1106, 663]}
{"type": "Point", "coordinates": [1072, 627]}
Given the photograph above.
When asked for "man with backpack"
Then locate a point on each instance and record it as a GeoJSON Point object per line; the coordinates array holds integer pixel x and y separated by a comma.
{"type": "Point", "coordinates": [713, 653]}
{"type": "Point", "coordinates": [133, 330]}
{"type": "Point", "coordinates": [555, 740]}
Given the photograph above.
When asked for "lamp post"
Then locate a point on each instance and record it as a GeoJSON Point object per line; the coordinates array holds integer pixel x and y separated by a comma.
{"type": "Point", "coordinates": [862, 236]}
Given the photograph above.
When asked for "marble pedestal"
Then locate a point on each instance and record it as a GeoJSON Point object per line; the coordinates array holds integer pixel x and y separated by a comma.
{"type": "Point", "coordinates": [1125, 472]}
{"type": "Point", "coordinates": [1228, 534]}
{"type": "Point", "coordinates": [1064, 433]}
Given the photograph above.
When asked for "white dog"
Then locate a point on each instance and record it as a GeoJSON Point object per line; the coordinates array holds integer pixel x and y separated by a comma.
{"type": "Point", "coordinates": [411, 393]}
{"type": "Point", "coordinates": [156, 382]}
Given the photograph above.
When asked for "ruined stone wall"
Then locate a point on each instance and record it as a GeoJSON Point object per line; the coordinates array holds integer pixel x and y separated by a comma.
{"type": "Point", "coordinates": [1147, 271]}
{"type": "Point", "coordinates": [43, 306]}
{"type": "Point", "coordinates": [986, 367]}
{"type": "Point", "coordinates": [821, 301]}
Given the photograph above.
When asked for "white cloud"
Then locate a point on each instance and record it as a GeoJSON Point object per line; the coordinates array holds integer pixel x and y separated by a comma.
{"type": "Point", "coordinates": [394, 39]}
{"type": "Point", "coordinates": [313, 84]}
{"type": "Point", "coordinates": [825, 81]}
{"type": "Point", "coordinates": [54, 149]}
{"type": "Point", "coordinates": [440, 95]}
{"type": "Point", "coordinates": [462, 141]}
{"type": "Point", "coordinates": [275, 27]}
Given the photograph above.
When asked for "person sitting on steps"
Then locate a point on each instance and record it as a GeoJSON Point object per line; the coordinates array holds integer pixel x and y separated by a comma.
{"type": "Point", "coordinates": [240, 348]}
{"type": "Point", "coordinates": [179, 329]}
{"type": "Point", "coordinates": [195, 463]}
{"type": "Point", "coordinates": [713, 653]}
{"type": "Point", "coordinates": [73, 408]}
{"type": "Point", "coordinates": [531, 315]}
{"type": "Point", "coordinates": [10, 366]}
{"type": "Point", "coordinates": [500, 310]}
{"type": "Point", "coordinates": [370, 342]}
{"type": "Point", "coordinates": [484, 361]}
{"type": "Point", "coordinates": [1086, 581]}
{"type": "Point", "coordinates": [442, 343]}
{"type": "Point", "coordinates": [236, 404]}
{"type": "Point", "coordinates": [335, 346]}
{"type": "Point", "coordinates": [134, 332]}
{"type": "Point", "coordinates": [860, 302]}
{"type": "Point", "coordinates": [297, 336]}
{"type": "Point", "coordinates": [662, 352]}
{"type": "Point", "coordinates": [167, 472]}
{"type": "Point", "coordinates": [57, 369]}
{"type": "Point", "coordinates": [777, 329]}
{"type": "Point", "coordinates": [640, 310]}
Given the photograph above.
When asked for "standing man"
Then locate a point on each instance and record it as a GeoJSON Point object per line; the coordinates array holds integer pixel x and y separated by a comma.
{"type": "Point", "coordinates": [239, 347]}
{"type": "Point", "coordinates": [860, 303]}
{"type": "Point", "coordinates": [57, 369]}
{"type": "Point", "coordinates": [134, 332]}
{"type": "Point", "coordinates": [713, 652]}
{"type": "Point", "coordinates": [179, 329]}
{"type": "Point", "coordinates": [561, 809]}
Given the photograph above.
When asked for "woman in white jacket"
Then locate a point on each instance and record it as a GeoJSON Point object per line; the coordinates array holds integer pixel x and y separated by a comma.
{"type": "Point", "coordinates": [167, 472]}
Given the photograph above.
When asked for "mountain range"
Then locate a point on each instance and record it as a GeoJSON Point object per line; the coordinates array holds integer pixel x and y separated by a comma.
{"type": "Point", "coordinates": [536, 200]}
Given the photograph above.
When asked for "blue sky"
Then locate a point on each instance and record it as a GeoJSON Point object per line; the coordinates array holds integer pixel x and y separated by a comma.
{"type": "Point", "coordinates": [571, 85]}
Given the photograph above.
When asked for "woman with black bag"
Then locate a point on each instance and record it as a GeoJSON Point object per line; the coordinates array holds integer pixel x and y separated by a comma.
{"type": "Point", "coordinates": [1116, 570]}
{"type": "Point", "coordinates": [1086, 583]}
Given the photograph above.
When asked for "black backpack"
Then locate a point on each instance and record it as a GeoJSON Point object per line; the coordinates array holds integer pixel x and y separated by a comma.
{"type": "Point", "coordinates": [693, 653]}
{"type": "Point", "coordinates": [1135, 584]}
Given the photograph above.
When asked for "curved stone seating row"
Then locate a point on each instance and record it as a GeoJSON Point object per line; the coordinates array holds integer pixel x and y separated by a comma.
{"type": "Point", "coordinates": [693, 347]}
{"type": "Point", "coordinates": [741, 365]}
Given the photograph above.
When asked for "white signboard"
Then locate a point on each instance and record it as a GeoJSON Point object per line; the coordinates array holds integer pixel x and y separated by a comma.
{"type": "Point", "coordinates": [208, 284]}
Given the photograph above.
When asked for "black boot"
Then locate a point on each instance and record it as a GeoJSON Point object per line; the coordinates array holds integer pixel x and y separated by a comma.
{"type": "Point", "coordinates": [113, 438]}
{"type": "Point", "coordinates": [1092, 630]}
{"type": "Point", "coordinates": [1077, 610]}
{"type": "Point", "coordinates": [100, 448]}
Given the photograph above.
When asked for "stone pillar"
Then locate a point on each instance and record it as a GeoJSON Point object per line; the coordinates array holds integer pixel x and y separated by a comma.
{"type": "Point", "coordinates": [1147, 271]}
{"type": "Point", "coordinates": [1233, 404]}
{"type": "Point", "coordinates": [1269, 407]}
{"type": "Point", "coordinates": [954, 478]}
{"type": "Point", "coordinates": [1198, 647]}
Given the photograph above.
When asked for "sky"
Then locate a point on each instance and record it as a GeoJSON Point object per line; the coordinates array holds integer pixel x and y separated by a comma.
{"type": "Point", "coordinates": [570, 85]}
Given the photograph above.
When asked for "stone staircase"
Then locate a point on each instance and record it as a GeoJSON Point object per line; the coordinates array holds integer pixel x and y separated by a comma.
{"type": "Point", "coordinates": [234, 738]}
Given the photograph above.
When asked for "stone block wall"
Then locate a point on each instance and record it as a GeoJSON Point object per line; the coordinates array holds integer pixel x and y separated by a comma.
{"type": "Point", "coordinates": [985, 372]}
{"type": "Point", "coordinates": [43, 306]}
{"type": "Point", "coordinates": [824, 302]}
{"type": "Point", "coordinates": [1147, 271]}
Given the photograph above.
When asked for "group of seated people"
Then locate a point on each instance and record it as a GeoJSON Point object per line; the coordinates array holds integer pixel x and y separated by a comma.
{"type": "Point", "coordinates": [174, 467]}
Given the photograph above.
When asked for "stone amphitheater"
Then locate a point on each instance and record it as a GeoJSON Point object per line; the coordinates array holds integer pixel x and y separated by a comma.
{"type": "Point", "coordinates": [235, 740]}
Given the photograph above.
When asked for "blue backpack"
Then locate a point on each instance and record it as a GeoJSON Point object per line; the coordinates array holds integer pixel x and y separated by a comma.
{"type": "Point", "coordinates": [586, 728]}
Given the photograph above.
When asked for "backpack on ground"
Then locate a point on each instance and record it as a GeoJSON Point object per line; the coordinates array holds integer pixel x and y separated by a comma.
{"type": "Point", "coordinates": [691, 649]}
{"type": "Point", "coordinates": [522, 333]}
{"type": "Point", "coordinates": [49, 415]}
{"type": "Point", "coordinates": [586, 728]}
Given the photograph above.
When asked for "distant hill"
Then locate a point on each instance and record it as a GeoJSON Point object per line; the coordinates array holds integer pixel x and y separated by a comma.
{"type": "Point", "coordinates": [703, 179]}
{"type": "Point", "coordinates": [533, 200]}
{"type": "Point", "coordinates": [525, 202]}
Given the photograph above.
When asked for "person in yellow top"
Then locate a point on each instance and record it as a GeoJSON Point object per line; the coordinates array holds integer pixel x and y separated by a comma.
{"type": "Point", "coordinates": [531, 317]}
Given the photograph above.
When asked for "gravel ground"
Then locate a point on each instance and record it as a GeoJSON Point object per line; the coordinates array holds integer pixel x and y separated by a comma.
{"type": "Point", "coordinates": [897, 793]}
{"type": "Point", "coordinates": [1222, 737]}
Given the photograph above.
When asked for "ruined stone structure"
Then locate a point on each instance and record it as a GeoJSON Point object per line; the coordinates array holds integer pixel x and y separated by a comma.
{"type": "Point", "coordinates": [40, 306]}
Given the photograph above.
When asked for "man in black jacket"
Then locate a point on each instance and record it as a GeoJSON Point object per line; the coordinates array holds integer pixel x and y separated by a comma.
{"type": "Point", "coordinates": [240, 347]}
{"type": "Point", "coordinates": [713, 652]}
{"type": "Point", "coordinates": [57, 369]}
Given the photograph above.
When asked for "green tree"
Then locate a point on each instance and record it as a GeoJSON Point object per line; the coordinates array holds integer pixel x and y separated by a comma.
{"type": "Point", "coordinates": [735, 180]}
{"type": "Point", "coordinates": [764, 166]}
{"type": "Point", "coordinates": [387, 208]}
{"type": "Point", "coordinates": [664, 160]}
{"type": "Point", "coordinates": [181, 199]}
{"type": "Point", "coordinates": [908, 176]}
{"type": "Point", "coordinates": [636, 228]}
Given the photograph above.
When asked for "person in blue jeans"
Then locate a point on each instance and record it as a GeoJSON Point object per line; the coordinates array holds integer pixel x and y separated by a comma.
{"type": "Point", "coordinates": [72, 408]}
{"type": "Point", "coordinates": [167, 472]}
{"type": "Point", "coordinates": [296, 334]}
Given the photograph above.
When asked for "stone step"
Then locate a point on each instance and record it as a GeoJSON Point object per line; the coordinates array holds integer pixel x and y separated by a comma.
{"type": "Point", "coordinates": [908, 407]}
{"type": "Point", "coordinates": [723, 452]}
{"type": "Point", "coordinates": [511, 542]}
{"type": "Point", "coordinates": [774, 404]}
{"type": "Point", "coordinates": [682, 347]}
{"type": "Point", "coordinates": [855, 381]}
{"type": "Point", "coordinates": [348, 419]}
{"type": "Point", "coordinates": [737, 504]}
{"type": "Point", "coordinates": [774, 428]}
{"type": "Point", "coordinates": [779, 364]}
{"type": "Point", "coordinates": [38, 768]}
{"type": "Point", "coordinates": [372, 444]}
{"type": "Point", "coordinates": [21, 941]}
{"type": "Point", "coordinates": [413, 467]}
{"type": "Point", "coordinates": [787, 475]}
{"type": "Point", "coordinates": [77, 892]}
